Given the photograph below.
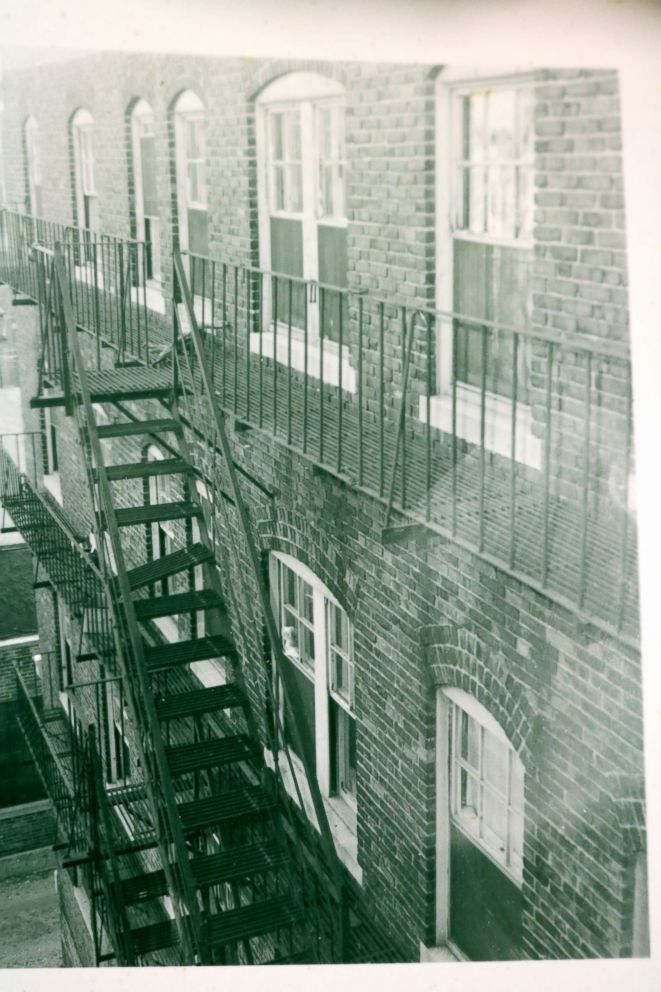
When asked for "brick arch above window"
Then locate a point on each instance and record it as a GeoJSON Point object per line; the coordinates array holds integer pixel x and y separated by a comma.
{"type": "Point", "coordinates": [292, 534]}
{"type": "Point", "coordinates": [457, 658]}
{"type": "Point", "coordinates": [272, 71]}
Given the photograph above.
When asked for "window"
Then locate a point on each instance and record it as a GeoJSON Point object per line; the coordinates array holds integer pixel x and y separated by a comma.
{"type": "Point", "coordinates": [82, 126]}
{"type": "Point", "coordinates": [145, 192]}
{"type": "Point", "coordinates": [318, 643]}
{"type": "Point", "coordinates": [33, 156]}
{"type": "Point", "coordinates": [480, 825]}
{"type": "Point", "coordinates": [51, 465]}
{"type": "Point", "coordinates": [485, 189]}
{"type": "Point", "coordinates": [302, 215]}
{"type": "Point", "coordinates": [190, 140]}
{"type": "Point", "coordinates": [486, 788]}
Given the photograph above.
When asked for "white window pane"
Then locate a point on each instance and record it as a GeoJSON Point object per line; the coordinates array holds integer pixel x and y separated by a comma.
{"type": "Point", "coordinates": [307, 646]}
{"type": "Point", "coordinates": [278, 187]}
{"type": "Point", "coordinates": [524, 202]}
{"type": "Point", "coordinates": [294, 136]}
{"type": "Point", "coordinates": [476, 199]}
{"type": "Point", "coordinates": [469, 739]}
{"type": "Point", "coordinates": [494, 825]}
{"type": "Point", "coordinates": [501, 117]}
{"type": "Point", "coordinates": [295, 191]}
{"type": "Point", "coordinates": [468, 793]}
{"type": "Point", "coordinates": [516, 786]}
{"type": "Point", "coordinates": [495, 757]}
{"type": "Point", "coordinates": [516, 840]}
{"type": "Point", "coordinates": [474, 124]}
{"type": "Point", "coordinates": [306, 600]}
{"type": "Point", "coordinates": [288, 586]}
{"type": "Point", "coordinates": [501, 217]}
{"type": "Point", "coordinates": [277, 143]}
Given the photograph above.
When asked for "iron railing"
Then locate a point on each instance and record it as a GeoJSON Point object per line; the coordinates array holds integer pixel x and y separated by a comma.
{"type": "Point", "coordinates": [111, 296]}
{"type": "Point", "coordinates": [511, 439]}
{"type": "Point", "coordinates": [228, 528]}
{"type": "Point", "coordinates": [514, 440]}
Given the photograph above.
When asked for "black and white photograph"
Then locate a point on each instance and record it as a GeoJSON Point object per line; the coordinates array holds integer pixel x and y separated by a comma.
{"type": "Point", "coordinates": [325, 438]}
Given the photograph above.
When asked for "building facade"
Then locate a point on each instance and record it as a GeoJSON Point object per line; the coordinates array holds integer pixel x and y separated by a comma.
{"type": "Point", "coordinates": [391, 436]}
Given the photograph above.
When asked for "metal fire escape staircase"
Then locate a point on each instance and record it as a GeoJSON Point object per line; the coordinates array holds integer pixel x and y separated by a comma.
{"type": "Point", "coordinates": [222, 884]}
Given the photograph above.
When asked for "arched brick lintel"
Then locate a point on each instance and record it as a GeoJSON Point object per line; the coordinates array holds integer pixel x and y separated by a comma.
{"type": "Point", "coordinates": [457, 658]}
{"type": "Point", "coordinates": [292, 534]}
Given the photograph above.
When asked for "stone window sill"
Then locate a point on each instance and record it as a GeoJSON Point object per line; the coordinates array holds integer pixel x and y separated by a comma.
{"type": "Point", "coordinates": [335, 362]}
{"type": "Point", "coordinates": [498, 423]}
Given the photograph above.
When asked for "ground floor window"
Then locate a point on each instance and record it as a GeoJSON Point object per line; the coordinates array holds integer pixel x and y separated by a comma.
{"type": "Point", "coordinates": [318, 644]}
{"type": "Point", "coordinates": [480, 822]}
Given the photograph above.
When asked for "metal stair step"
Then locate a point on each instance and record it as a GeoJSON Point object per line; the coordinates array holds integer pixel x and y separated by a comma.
{"type": "Point", "coordinates": [131, 427]}
{"type": "Point", "coordinates": [199, 701]}
{"type": "Point", "coordinates": [211, 753]}
{"type": "Point", "coordinates": [154, 937]}
{"type": "Point", "coordinates": [182, 602]}
{"type": "Point", "coordinates": [252, 921]}
{"type": "Point", "coordinates": [176, 561]}
{"type": "Point", "coordinates": [229, 807]}
{"type": "Point", "coordinates": [151, 513]}
{"type": "Point", "coordinates": [137, 382]}
{"type": "Point", "coordinates": [161, 656]}
{"type": "Point", "coordinates": [142, 470]}
{"type": "Point", "coordinates": [209, 869]}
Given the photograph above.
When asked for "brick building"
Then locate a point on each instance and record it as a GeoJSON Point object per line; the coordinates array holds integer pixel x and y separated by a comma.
{"type": "Point", "coordinates": [328, 476]}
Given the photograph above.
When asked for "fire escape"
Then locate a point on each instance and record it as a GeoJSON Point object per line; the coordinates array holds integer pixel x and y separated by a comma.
{"type": "Point", "coordinates": [199, 856]}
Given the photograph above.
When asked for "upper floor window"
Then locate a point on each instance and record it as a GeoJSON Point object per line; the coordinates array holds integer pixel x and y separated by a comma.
{"type": "Point", "coordinates": [302, 202]}
{"type": "Point", "coordinates": [82, 129]}
{"type": "Point", "coordinates": [33, 157]}
{"type": "Point", "coordinates": [485, 169]}
{"type": "Point", "coordinates": [318, 643]}
{"type": "Point", "coordinates": [146, 205]}
{"type": "Point", "coordinates": [492, 205]}
{"type": "Point", "coordinates": [190, 124]}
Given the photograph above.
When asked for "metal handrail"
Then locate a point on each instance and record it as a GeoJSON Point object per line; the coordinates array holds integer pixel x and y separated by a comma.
{"type": "Point", "coordinates": [301, 731]}
{"type": "Point", "coordinates": [130, 655]}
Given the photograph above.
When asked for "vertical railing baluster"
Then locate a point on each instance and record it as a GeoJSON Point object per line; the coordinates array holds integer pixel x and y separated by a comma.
{"type": "Point", "coordinates": [382, 459]}
{"type": "Point", "coordinates": [401, 426]}
{"type": "Point", "coordinates": [429, 387]}
{"type": "Point", "coordinates": [306, 385]}
{"type": "Point", "coordinates": [586, 481]}
{"type": "Point", "coordinates": [455, 366]}
{"type": "Point", "coordinates": [262, 277]}
{"type": "Point", "coordinates": [483, 418]}
{"type": "Point", "coordinates": [290, 297]}
{"type": "Point", "coordinates": [624, 546]}
{"type": "Point", "coordinates": [275, 356]}
{"type": "Point", "coordinates": [235, 368]}
{"type": "Point", "coordinates": [515, 383]}
{"type": "Point", "coordinates": [321, 374]}
{"type": "Point", "coordinates": [224, 363]}
{"type": "Point", "coordinates": [248, 310]}
{"type": "Point", "coordinates": [340, 402]}
{"type": "Point", "coordinates": [547, 465]}
{"type": "Point", "coordinates": [360, 388]}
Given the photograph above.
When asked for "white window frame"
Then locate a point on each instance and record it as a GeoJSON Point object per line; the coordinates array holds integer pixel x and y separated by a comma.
{"type": "Point", "coordinates": [446, 698]}
{"type": "Point", "coordinates": [142, 115]}
{"type": "Point", "coordinates": [498, 409]}
{"type": "Point", "coordinates": [82, 129]}
{"type": "Point", "coordinates": [341, 807]}
{"type": "Point", "coordinates": [306, 92]}
{"type": "Point", "coordinates": [52, 479]}
{"type": "Point", "coordinates": [33, 154]}
{"type": "Point", "coordinates": [188, 107]}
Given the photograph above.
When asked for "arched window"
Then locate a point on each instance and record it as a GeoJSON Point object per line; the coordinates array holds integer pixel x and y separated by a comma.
{"type": "Point", "coordinates": [190, 125]}
{"type": "Point", "coordinates": [82, 133]}
{"type": "Point", "coordinates": [480, 819]}
{"type": "Point", "coordinates": [145, 190]}
{"type": "Point", "coordinates": [33, 164]}
{"type": "Point", "coordinates": [318, 642]}
{"type": "Point", "coordinates": [302, 200]}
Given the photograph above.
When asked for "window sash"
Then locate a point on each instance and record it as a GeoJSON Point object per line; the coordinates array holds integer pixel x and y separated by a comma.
{"type": "Point", "coordinates": [476, 803]}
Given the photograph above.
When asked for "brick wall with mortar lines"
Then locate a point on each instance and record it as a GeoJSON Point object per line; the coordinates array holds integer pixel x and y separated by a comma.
{"type": "Point", "coordinates": [390, 141]}
{"type": "Point", "coordinates": [583, 689]}
{"type": "Point", "coordinates": [548, 656]}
